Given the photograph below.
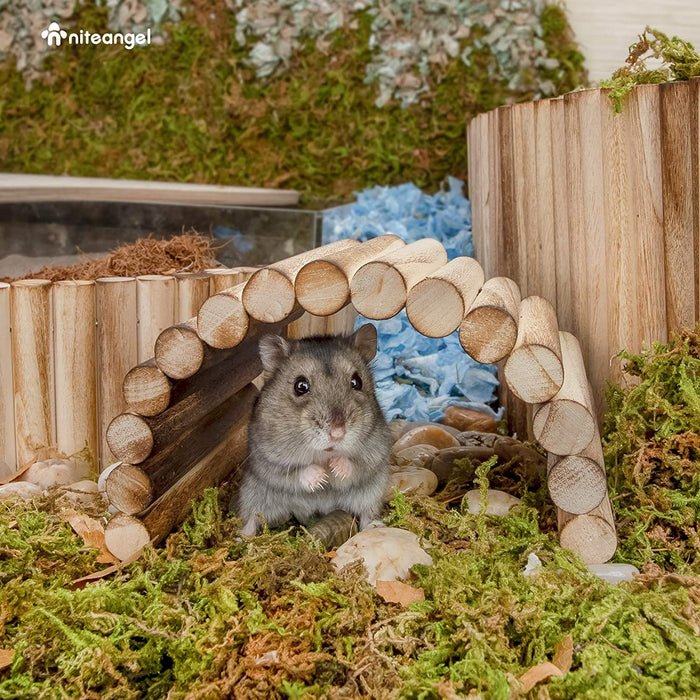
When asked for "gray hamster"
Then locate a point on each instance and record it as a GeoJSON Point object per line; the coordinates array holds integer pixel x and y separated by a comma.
{"type": "Point", "coordinates": [317, 440]}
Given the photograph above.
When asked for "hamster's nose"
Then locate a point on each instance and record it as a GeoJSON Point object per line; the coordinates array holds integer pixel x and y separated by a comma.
{"type": "Point", "coordinates": [337, 433]}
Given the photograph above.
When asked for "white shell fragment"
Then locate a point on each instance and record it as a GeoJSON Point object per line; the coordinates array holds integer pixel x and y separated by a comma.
{"type": "Point", "coordinates": [614, 573]}
{"type": "Point", "coordinates": [19, 489]}
{"type": "Point", "coordinates": [497, 502]}
{"type": "Point", "coordinates": [414, 480]}
{"type": "Point", "coordinates": [388, 553]}
{"type": "Point", "coordinates": [56, 472]}
{"type": "Point", "coordinates": [534, 564]}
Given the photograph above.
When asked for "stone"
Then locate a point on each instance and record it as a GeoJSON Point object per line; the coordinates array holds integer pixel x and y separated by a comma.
{"type": "Point", "coordinates": [415, 456]}
{"type": "Point", "coordinates": [434, 435]}
{"type": "Point", "coordinates": [19, 489]}
{"type": "Point", "coordinates": [498, 503]}
{"type": "Point", "coordinates": [416, 481]}
{"type": "Point", "coordinates": [388, 553]}
{"type": "Point", "coordinates": [56, 472]}
{"type": "Point", "coordinates": [614, 573]}
{"type": "Point", "coordinates": [468, 419]}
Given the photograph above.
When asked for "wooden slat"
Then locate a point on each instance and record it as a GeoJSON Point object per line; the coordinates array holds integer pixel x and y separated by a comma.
{"type": "Point", "coordinates": [7, 411]}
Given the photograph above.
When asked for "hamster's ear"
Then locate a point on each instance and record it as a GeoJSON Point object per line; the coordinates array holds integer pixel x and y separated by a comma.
{"type": "Point", "coordinates": [365, 340]}
{"type": "Point", "coordinates": [274, 349]}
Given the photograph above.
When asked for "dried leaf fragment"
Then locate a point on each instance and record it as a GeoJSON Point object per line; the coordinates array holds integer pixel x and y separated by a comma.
{"type": "Point", "coordinates": [564, 653]}
{"type": "Point", "coordinates": [398, 592]}
{"type": "Point", "coordinates": [539, 673]}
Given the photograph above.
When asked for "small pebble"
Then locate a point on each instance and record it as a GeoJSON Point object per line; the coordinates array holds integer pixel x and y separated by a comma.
{"type": "Point", "coordinates": [534, 564]}
{"type": "Point", "coordinates": [19, 489]}
{"type": "Point", "coordinates": [414, 480]}
{"type": "Point", "coordinates": [400, 426]}
{"type": "Point", "coordinates": [56, 472]}
{"type": "Point", "coordinates": [462, 419]}
{"type": "Point", "coordinates": [614, 573]}
{"type": "Point", "coordinates": [388, 553]}
{"type": "Point", "coordinates": [497, 502]}
{"type": "Point", "coordinates": [415, 456]}
{"type": "Point", "coordinates": [81, 494]}
{"type": "Point", "coordinates": [434, 435]}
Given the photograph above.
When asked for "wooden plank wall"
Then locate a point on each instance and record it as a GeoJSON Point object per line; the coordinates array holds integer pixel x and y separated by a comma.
{"type": "Point", "coordinates": [597, 212]}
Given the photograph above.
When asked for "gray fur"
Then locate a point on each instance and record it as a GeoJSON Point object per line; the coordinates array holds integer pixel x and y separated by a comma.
{"type": "Point", "coordinates": [288, 433]}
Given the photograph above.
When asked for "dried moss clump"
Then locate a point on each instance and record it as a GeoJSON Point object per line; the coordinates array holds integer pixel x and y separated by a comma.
{"type": "Point", "coordinates": [680, 61]}
{"type": "Point", "coordinates": [652, 449]}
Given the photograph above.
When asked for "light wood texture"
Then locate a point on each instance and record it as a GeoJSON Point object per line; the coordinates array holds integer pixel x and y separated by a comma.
{"type": "Point", "coordinates": [192, 292]}
{"type": "Point", "coordinates": [534, 371]}
{"type": "Point", "coordinates": [222, 278]}
{"type": "Point", "coordinates": [74, 366]}
{"type": "Point", "coordinates": [223, 322]}
{"type": "Point", "coordinates": [125, 535]}
{"type": "Point", "coordinates": [7, 410]}
{"type": "Point", "coordinates": [591, 535]}
{"type": "Point", "coordinates": [566, 424]}
{"type": "Point", "coordinates": [322, 286]}
{"type": "Point", "coordinates": [436, 305]}
{"type": "Point", "coordinates": [379, 288]}
{"type": "Point", "coordinates": [577, 483]}
{"type": "Point", "coordinates": [146, 389]}
{"type": "Point", "coordinates": [679, 202]}
{"type": "Point", "coordinates": [490, 328]}
{"type": "Point", "coordinates": [179, 352]}
{"type": "Point", "coordinates": [131, 489]}
{"type": "Point", "coordinates": [32, 356]}
{"type": "Point", "coordinates": [62, 188]}
{"type": "Point", "coordinates": [115, 310]}
{"type": "Point", "coordinates": [155, 303]}
{"type": "Point", "coordinates": [269, 294]}
{"type": "Point", "coordinates": [133, 438]}
{"type": "Point", "coordinates": [503, 226]}
{"type": "Point", "coordinates": [307, 325]}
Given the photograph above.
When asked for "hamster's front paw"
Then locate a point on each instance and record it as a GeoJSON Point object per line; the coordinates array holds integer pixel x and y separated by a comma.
{"type": "Point", "coordinates": [313, 477]}
{"type": "Point", "coordinates": [341, 467]}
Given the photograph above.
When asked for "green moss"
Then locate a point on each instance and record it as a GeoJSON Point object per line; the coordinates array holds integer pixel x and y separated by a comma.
{"type": "Point", "coordinates": [680, 61]}
{"type": "Point", "coordinates": [190, 110]}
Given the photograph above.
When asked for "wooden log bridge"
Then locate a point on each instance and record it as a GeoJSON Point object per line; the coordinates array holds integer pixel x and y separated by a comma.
{"type": "Point", "coordinates": [191, 398]}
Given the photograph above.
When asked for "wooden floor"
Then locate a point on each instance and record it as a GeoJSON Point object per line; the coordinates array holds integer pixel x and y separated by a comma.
{"type": "Point", "coordinates": [606, 28]}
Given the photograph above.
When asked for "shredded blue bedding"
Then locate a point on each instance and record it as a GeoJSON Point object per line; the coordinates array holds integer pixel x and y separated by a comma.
{"type": "Point", "coordinates": [418, 377]}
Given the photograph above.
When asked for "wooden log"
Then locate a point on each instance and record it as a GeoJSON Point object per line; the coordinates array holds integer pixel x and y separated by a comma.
{"type": "Point", "coordinates": [74, 366]}
{"type": "Point", "coordinates": [192, 292]}
{"type": "Point", "coordinates": [155, 300]}
{"type": "Point", "coordinates": [504, 224]}
{"type": "Point", "coordinates": [678, 129]}
{"type": "Point", "coordinates": [695, 119]}
{"type": "Point", "coordinates": [131, 489]}
{"type": "Point", "coordinates": [577, 482]}
{"type": "Point", "coordinates": [564, 303]}
{"type": "Point", "coordinates": [146, 389]}
{"type": "Point", "coordinates": [32, 364]}
{"type": "Point", "coordinates": [490, 328]}
{"type": "Point", "coordinates": [437, 304]}
{"type": "Point", "coordinates": [308, 325]}
{"type": "Point", "coordinates": [223, 322]}
{"type": "Point", "coordinates": [323, 287]}
{"type": "Point", "coordinates": [534, 370]}
{"type": "Point", "coordinates": [222, 278]}
{"type": "Point", "coordinates": [343, 322]}
{"type": "Point", "coordinates": [132, 438]}
{"type": "Point", "coordinates": [566, 424]}
{"type": "Point", "coordinates": [125, 535]}
{"type": "Point", "coordinates": [115, 309]}
{"type": "Point", "coordinates": [591, 535]}
{"type": "Point", "coordinates": [379, 288]}
{"type": "Point", "coordinates": [7, 394]}
{"type": "Point", "coordinates": [269, 294]}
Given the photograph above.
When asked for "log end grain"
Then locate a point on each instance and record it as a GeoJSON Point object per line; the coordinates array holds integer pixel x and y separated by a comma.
{"type": "Point", "coordinates": [179, 352]}
{"type": "Point", "coordinates": [435, 308]}
{"type": "Point", "coordinates": [590, 536]}
{"type": "Point", "coordinates": [269, 296]}
{"type": "Point", "coordinates": [488, 334]}
{"type": "Point", "coordinates": [322, 288]}
{"type": "Point", "coordinates": [125, 536]}
{"type": "Point", "coordinates": [222, 321]}
{"type": "Point", "coordinates": [129, 489]}
{"type": "Point", "coordinates": [130, 438]}
{"type": "Point", "coordinates": [378, 290]}
{"type": "Point", "coordinates": [534, 373]}
{"type": "Point", "coordinates": [576, 484]}
{"type": "Point", "coordinates": [146, 390]}
{"type": "Point", "coordinates": [563, 427]}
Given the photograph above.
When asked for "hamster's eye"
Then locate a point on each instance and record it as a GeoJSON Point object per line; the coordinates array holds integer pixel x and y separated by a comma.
{"type": "Point", "coordinates": [356, 382]}
{"type": "Point", "coordinates": [301, 386]}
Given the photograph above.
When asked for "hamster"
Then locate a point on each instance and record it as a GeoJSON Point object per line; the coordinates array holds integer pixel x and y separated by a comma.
{"type": "Point", "coordinates": [317, 439]}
